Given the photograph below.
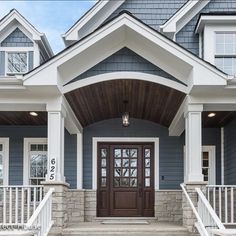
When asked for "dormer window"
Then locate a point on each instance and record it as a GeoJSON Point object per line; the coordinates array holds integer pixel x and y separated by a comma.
{"type": "Point", "coordinates": [225, 52]}
{"type": "Point", "coordinates": [217, 40]}
{"type": "Point", "coordinates": [17, 62]}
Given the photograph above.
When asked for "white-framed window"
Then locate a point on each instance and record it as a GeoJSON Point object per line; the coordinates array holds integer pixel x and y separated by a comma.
{"type": "Point", "coordinates": [208, 164]}
{"type": "Point", "coordinates": [16, 62]}
{"type": "Point", "coordinates": [35, 160]}
{"type": "Point", "coordinates": [4, 161]}
{"type": "Point", "coordinates": [225, 52]}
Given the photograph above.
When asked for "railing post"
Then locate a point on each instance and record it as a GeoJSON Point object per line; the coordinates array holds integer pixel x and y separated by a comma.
{"type": "Point", "coordinates": [189, 218]}
{"type": "Point", "coordinates": [59, 204]}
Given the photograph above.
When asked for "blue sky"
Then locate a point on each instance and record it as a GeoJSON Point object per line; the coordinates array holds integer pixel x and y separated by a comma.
{"type": "Point", "coordinates": [50, 17]}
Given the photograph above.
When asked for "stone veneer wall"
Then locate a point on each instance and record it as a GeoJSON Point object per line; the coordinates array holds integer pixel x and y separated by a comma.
{"type": "Point", "coordinates": [81, 205]}
{"type": "Point", "coordinates": [168, 206]}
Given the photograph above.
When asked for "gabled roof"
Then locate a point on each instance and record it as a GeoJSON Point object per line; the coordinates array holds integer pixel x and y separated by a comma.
{"type": "Point", "coordinates": [91, 20]}
{"type": "Point", "coordinates": [36, 35]}
{"type": "Point", "coordinates": [182, 17]}
{"type": "Point", "coordinates": [126, 30]}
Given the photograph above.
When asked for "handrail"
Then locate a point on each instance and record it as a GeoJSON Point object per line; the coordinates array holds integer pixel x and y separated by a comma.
{"type": "Point", "coordinates": [210, 209]}
{"type": "Point", "coordinates": [42, 217]}
{"type": "Point", "coordinates": [202, 227]}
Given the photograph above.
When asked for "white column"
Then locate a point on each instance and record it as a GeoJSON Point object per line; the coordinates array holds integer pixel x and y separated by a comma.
{"type": "Point", "coordinates": [193, 142]}
{"type": "Point", "coordinates": [55, 146]}
{"type": "Point", "coordinates": [79, 161]}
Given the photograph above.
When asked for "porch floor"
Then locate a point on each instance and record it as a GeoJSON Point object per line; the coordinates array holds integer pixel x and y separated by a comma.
{"type": "Point", "coordinates": [153, 228]}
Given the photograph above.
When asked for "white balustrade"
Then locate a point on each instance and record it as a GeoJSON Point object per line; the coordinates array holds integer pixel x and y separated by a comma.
{"type": "Point", "coordinates": [41, 220]}
{"type": "Point", "coordinates": [18, 203]}
{"type": "Point", "coordinates": [222, 198]}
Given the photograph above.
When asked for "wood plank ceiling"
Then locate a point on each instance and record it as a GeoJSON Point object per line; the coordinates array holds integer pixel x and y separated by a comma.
{"type": "Point", "coordinates": [105, 100]}
{"type": "Point", "coordinates": [22, 118]}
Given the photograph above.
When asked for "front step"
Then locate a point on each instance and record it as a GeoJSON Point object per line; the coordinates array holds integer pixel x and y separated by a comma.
{"type": "Point", "coordinates": [93, 229]}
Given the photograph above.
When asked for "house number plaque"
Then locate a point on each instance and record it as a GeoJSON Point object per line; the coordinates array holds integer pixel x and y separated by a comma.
{"type": "Point", "coordinates": [52, 169]}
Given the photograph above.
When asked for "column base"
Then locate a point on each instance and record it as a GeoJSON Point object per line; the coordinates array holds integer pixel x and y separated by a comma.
{"type": "Point", "coordinates": [59, 204]}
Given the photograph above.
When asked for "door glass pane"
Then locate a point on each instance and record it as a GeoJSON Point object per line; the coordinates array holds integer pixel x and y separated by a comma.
{"type": "Point", "coordinates": [147, 152]}
{"type": "Point", "coordinates": [117, 153]}
{"type": "Point", "coordinates": [147, 172]}
{"type": "Point", "coordinates": [147, 182]}
{"type": "Point", "coordinates": [133, 172]}
{"type": "Point", "coordinates": [118, 172]}
{"type": "Point", "coordinates": [116, 182]}
{"type": "Point", "coordinates": [103, 152]}
{"type": "Point", "coordinates": [125, 163]}
{"type": "Point", "coordinates": [147, 162]}
{"type": "Point", "coordinates": [134, 153]}
{"type": "Point", "coordinates": [125, 172]}
{"type": "Point", "coordinates": [133, 162]}
{"type": "Point", "coordinates": [126, 153]}
{"type": "Point", "coordinates": [117, 162]}
{"type": "Point", "coordinates": [104, 172]}
{"type": "Point", "coordinates": [103, 162]}
{"type": "Point", "coordinates": [133, 182]}
{"type": "Point", "coordinates": [124, 182]}
{"type": "Point", "coordinates": [104, 182]}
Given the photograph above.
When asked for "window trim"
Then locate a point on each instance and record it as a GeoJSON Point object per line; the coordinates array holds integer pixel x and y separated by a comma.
{"type": "Point", "coordinates": [26, 168]}
{"type": "Point", "coordinates": [5, 143]}
{"type": "Point", "coordinates": [6, 61]}
{"type": "Point", "coordinates": [211, 149]}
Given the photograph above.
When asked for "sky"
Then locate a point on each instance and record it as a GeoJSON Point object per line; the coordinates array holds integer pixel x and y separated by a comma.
{"type": "Point", "coordinates": [53, 18]}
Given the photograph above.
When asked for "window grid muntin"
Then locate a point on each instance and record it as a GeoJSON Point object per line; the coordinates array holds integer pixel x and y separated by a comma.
{"type": "Point", "coordinates": [22, 68]}
{"type": "Point", "coordinates": [225, 58]}
{"type": "Point", "coordinates": [34, 150]}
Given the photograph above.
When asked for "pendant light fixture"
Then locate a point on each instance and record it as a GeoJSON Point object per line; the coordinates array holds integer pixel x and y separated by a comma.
{"type": "Point", "coordinates": [125, 116]}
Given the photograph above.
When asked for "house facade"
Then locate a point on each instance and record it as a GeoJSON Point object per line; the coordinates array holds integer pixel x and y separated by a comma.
{"type": "Point", "coordinates": [141, 100]}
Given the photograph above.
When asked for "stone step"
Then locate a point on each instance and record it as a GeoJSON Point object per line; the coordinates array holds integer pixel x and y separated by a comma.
{"type": "Point", "coordinates": [93, 229]}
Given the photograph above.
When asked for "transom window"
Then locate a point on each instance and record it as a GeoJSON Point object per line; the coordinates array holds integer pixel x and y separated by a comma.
{"type": "Point", "coordinates": [225, 52]}
{"type": "Point", "coordinates": [38, 163]}
{"type": "Point", "coordinates": [17, 62]}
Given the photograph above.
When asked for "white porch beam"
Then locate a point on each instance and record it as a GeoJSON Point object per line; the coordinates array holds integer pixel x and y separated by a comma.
{"type": "Point", "coordinates": [177, 125]}
{"type": "Point", "coordinates": [56, 146]}
{"type": "Point", "coordinates": [72, 124]}
{"type": "Point", "coordinates": [193, 142]}
{"type": "Point", "coordinates": [22, 107]}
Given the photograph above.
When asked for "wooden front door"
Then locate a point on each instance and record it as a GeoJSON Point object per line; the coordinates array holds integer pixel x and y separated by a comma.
{"type": "Point", "coordinates": [125, 180]}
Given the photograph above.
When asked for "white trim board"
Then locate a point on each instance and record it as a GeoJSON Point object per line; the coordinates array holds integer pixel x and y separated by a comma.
{"type": "Point", "coordinates": [154, 140]}
{"type": "Point", "coordinates": [26, 167]}
{"type": "Point", "coordinates": [5, 152]}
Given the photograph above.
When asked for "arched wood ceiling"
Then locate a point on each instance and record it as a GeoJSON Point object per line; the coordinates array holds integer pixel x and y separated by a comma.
{"type": "Point", "coordinates": [146, 100]}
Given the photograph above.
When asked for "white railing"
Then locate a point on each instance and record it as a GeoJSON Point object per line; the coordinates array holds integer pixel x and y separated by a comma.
{"type": "Point", "coordinates": [223, 200]}
{"type": "Point", "coordinates": [208, 216]}
{"type": "Point", "coordinates": [200, 225]}
{"type": "Point", "coordinates": [42, 217]}
{"type": "Point", "coordinates": [18, 203]}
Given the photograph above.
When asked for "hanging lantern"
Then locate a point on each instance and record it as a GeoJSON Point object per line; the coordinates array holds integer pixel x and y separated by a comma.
{"type": "Point", "coordinates": [125, 119]}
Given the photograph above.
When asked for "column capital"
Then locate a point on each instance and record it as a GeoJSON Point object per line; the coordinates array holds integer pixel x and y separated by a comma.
{"type": "Point", "coordinates": [193, 108]}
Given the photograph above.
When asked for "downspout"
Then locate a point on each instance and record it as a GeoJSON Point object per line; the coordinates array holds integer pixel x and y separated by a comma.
{"type": "Point", "coordinates": [222, 157]}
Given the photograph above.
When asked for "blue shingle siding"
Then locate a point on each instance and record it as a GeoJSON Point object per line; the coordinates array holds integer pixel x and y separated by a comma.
{"type": "Point", "coordinates": [212, 137]}
{"type": "Point", "coordinates": [171, 148]}
{"type": "Point", "coordinates": [2, 63]}
{"type": "Point", "coordinates": [151, 12]}
{"type": "Point", "coordinates": [16, 136]}
{"type": "Point", "coordinates": [187, 38]}
{"type": "Point", "coordinates": [71, 159]}
{"type": "Point", "coordinates": [230, 153]}
{"type": "Point", "coordinates": [17, 39]}
{"type": "Point", "coordinates": [125, 60]}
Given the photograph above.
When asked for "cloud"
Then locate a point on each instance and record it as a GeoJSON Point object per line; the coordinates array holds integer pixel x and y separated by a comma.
{"type": "Point", "coordinates": [50, 17]}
